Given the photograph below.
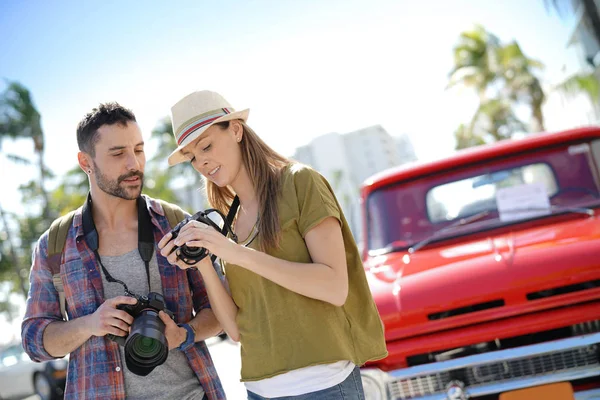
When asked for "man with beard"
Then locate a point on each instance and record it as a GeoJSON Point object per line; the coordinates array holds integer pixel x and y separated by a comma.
{"type": "Point", "coordinates": [97, 274]}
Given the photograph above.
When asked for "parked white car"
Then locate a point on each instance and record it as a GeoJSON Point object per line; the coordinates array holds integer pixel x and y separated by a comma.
{"type": "Point", "coordinates": [20, 377]}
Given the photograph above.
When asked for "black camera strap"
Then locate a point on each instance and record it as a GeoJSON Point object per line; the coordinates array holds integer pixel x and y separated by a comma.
{"type": "Point", "coordinates": [145, 237]}
{"type": "Point", "coordinates": [227, 223]}
{"type": "Point", "coordinates": [235, 204]}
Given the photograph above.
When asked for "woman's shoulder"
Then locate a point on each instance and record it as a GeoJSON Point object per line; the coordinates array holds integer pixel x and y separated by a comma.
{"type": "Point", "coordinates": [301, 180]}
{"type": "Point", "coordinates": [300, 174]}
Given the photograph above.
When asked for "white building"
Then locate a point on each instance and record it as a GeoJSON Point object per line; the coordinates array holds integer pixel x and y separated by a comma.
{"type": "Point", "coordinates": [346, 160]}
{"type": "Point", "coordinates": [568, 111]}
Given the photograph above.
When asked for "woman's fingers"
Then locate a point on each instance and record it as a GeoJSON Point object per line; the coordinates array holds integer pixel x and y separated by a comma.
{"type": "Point", "coordinates": [172, 258]}
{"type": "Point", "coordinates": [193, 234]}
{"type": "Point", "coordinates": [193, 224]}
{"type": "Point", "coordinates": [164, 240]}
{"type": "Point", "coordinates": [166, 250]}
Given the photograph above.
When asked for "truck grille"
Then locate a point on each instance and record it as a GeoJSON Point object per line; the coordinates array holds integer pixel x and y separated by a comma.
{"type": "Point", "coordinates": [567, 360]}
{"type": "Point", "coordinates": [419, 386]}
{"type": "Point", "coordinates": [586, 328]}
{"type": "Point", "coordinates": [530, 367]}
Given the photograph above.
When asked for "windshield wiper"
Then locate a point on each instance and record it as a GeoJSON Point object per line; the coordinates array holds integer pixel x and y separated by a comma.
{"type": "Point", "coordinates": [437, 234]}
{"type": "Point", "coordinates": [574, 210]}
{"type": "Point", "coordinates": [475, 217]}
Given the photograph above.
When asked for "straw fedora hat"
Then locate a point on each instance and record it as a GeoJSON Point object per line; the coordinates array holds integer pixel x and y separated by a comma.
{"type": "Point", "coordinates": [194, 114]}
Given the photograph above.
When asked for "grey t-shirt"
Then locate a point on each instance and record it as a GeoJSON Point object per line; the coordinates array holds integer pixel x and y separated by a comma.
{"type": "Point", "coordinates": [172, 380]}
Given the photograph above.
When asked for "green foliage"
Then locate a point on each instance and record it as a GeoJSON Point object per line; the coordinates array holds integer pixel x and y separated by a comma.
{"type": "Point", "coordinates": [20, 119]}
{"type": "Point", "coordinates": [587, 84]}
{"type": "Point", "coordinates": [504, 78]}
{"type": "Point", "coordinates": [165, 141]}
{"type": "Point", "coordinates": [475, 60]}
{"type": "Point", "coordinates": [465, 138]}
{"type": "Point", "coordinates": [18, 116]}
{"type": "Point", "coordinates": [5, 264]}
{"type": "Point", "coordinates": [71, 192]}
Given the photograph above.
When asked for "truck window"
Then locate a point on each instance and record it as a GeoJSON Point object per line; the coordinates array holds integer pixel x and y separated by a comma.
{"type": "Point", "coordinates": [404, 213]}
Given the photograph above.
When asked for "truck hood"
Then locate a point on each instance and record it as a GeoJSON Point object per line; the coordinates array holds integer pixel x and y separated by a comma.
{"type": "Point", "coordinates": [488, 278]}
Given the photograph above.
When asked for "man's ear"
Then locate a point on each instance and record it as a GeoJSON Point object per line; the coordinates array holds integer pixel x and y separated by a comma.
{"type": "Point", "coordinates": [85, 162]}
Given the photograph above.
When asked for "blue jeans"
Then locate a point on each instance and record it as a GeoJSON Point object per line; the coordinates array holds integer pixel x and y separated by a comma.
{"type": "Point", "coordinates": [349, 389]}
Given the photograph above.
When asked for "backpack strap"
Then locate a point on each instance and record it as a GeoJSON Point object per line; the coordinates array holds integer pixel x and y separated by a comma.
{"type": "Point", "coordinates": [173, 213]}
{"type": "Point", "coordinates": [57, 237]}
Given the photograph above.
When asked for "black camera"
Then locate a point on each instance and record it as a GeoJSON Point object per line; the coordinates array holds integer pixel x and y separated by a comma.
{"type": "Point", "coordinates": [145, 346]}
{"type": "Point", "coordinates": [191, 255]}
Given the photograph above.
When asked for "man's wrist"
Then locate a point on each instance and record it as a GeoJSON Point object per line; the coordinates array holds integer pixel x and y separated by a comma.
{"type": "Point", "coordinates": [85, 326]}
{"type": "Point", "coordinates": [190, 337]}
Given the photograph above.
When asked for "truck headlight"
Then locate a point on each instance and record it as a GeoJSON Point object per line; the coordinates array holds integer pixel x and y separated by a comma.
{"type": "Point", "coordinates": [373, 384]}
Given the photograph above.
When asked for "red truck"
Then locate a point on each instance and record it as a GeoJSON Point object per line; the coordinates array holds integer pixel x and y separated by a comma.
{"type": "Point", "coordinates": [485, 268]}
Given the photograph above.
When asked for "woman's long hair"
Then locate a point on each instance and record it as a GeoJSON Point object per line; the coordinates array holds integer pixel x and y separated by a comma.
{"type": "Point", "coordinates": [264, 167]}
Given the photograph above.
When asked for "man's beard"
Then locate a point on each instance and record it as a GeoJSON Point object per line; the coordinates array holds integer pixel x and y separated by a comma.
{"type": "Point", "coordinates": [114, 188]}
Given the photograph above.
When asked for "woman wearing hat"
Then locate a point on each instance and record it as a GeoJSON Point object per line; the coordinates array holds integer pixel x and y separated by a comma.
{"type": "Point", "coordinates": [295, 292]}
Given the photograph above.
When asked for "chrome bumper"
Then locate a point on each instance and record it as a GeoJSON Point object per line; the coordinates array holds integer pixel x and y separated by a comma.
{"type": "Point", "coordinates": [588, 395]}
{"type": "Point", "coordinates": [491, 373]}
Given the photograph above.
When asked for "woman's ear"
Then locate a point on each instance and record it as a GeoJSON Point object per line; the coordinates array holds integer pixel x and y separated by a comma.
{"type": "Point", "coordinates": [238, 130]}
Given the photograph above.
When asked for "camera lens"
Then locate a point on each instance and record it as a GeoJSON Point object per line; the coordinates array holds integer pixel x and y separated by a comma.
{"type": "Point", "coordinates": [192, 252]}
{"type": "Point", "coordinates": [146, 347]}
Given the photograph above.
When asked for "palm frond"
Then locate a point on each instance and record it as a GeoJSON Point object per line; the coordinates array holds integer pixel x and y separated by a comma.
{"type": "Point", "coordinates": [587, 84]}
{"type": "Point", "coordinates": [18, 159]}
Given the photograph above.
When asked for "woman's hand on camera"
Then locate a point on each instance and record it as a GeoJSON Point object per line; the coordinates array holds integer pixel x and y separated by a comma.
{"type": "Point", "coordinates": [166, 245]}
{"type": "Point", "coordinates": [197, 234]}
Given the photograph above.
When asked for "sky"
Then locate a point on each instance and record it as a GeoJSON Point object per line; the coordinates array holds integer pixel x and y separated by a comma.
{"type": "Point", "coordinates": [304, 68]}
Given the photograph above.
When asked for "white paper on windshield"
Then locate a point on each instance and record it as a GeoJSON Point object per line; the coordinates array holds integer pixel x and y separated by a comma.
{"type": "Point", "coordinates": [522, 201]}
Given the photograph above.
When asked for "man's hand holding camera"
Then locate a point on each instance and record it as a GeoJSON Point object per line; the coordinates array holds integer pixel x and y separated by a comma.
{"type": "Point", "coordinates": [175, 334]}
{"type": "Point", "coordinates": [107, 319]}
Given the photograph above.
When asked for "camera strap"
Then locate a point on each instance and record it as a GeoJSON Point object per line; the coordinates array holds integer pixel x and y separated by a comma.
{"type": "Point", "coordinates": [235, 204]}
{"type": "Point", "coordinates": [227, 223]}
{"type": "Point", "coordinates": [145, 237]}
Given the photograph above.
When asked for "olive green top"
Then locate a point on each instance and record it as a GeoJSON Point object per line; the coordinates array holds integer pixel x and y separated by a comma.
{"type": "Point", "coordinates": [281, 330]}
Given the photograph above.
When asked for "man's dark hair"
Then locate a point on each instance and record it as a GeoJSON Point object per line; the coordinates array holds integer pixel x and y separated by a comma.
{"type": "Point", "coordinates": [106, 114]}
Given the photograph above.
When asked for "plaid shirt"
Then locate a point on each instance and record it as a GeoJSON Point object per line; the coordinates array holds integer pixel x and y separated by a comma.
{"type": "Point", "coordinates": [95, 368]}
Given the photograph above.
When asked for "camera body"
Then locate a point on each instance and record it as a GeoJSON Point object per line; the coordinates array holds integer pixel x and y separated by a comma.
{"type": "Point", "coordinates": [151, 302]}
{"type": "Point", "coordinates": [146, 345]}
{"type": "Point", "coordinates": [191, 255]}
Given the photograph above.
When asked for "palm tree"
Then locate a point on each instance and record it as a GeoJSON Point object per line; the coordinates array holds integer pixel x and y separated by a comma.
{"type": "Point", "coordinates": [496, 119]}
{"type": "Point", "coordinates": [160, 176]}
{"type": "Point", "coordinates": [503, 77]}
{"type": "Point", "coordinates": [163, 135]}
{"type": "Point", "coordinates": [19, 118]}
{"type": "Point", "coordinates": [465, 138]}
{"type": "Point", "coordinates": [582, 83]}
{"type": "Point", "coordinates": [522, 84]}
{"type": "Point", "coordinates": [475, 60]}
{"type": "Point", "coordinates": [8, 254]}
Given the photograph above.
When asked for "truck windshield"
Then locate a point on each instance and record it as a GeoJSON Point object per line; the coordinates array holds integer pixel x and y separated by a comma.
{"type": "Point", "coordinates": [501, 191]}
